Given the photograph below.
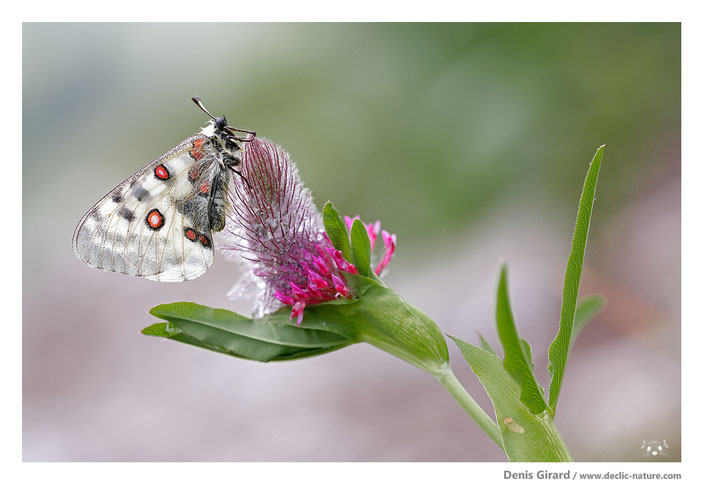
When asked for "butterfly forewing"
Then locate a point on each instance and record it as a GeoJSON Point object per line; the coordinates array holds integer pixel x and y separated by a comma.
{"type": "Point", "coordinates": [155, 224]}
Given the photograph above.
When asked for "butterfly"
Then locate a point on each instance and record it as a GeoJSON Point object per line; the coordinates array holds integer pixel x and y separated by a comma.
{"type": "Point", "coordinates": [159, 223]}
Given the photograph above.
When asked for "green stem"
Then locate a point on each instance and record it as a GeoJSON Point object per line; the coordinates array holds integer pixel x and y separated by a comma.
{"type": "Point", "coordinates": [449, 381]}
{"type": "Point", "coordinates": [552, 445]}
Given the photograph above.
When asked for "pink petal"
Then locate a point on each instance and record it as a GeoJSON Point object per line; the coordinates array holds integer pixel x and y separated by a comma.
{"type": "Point", "coordinates": [321, 266]}
{"type": "Point", "coordinates": [389, 248]}
{"type": "Point", "coordinates": [373, 231]}
{"type": "Point", "coordinates": [318, 280]}
{"type": "Point", "coordinates": [350, 220]}
{"type": "Point", "coordinates": [297, 311]}
{"type": "Point", "coordinates": [341, 287]}
{"type": "Point", "coordinates": [285, 299]}
{"type": "Point", "coordinates": [299, 292]}
{"type": "Point", "coordinates": [340, 261]}
{"type": "Point", "coordinates": [349, 267]}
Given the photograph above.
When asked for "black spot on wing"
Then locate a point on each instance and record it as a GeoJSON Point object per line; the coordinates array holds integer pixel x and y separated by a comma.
{"type": "Point", "coordinates": [139, 192]}
{"type": "Point", "coordinates": [125, 213]}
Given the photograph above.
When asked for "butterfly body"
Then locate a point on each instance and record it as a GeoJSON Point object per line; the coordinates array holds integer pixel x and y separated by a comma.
{"type": "Point", "coordinates": [158, 224]}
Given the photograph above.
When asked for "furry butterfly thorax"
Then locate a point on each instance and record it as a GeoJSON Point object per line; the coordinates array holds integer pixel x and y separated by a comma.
{"type": "Point", "coordinates": [159, 223]}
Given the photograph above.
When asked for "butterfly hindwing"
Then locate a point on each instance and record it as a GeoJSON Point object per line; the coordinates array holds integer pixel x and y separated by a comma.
{"type": "Point", "coordinates": [155, 224]}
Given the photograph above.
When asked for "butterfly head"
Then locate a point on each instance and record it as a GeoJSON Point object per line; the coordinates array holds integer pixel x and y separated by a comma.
{"type": "Point", "coordinates": [220, 124]}
{"type": "Point", "coordinates": [219, 129]}
{"type": "Point", "coordinates": [218, 132]}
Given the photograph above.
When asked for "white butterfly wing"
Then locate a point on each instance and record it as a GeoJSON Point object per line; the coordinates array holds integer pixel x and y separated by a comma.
{"type": "Point", "coordinates": [155, 223]}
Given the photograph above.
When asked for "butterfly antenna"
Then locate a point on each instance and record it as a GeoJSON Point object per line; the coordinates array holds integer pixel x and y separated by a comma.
{"type": "Point", "coordinates": [199, 103]}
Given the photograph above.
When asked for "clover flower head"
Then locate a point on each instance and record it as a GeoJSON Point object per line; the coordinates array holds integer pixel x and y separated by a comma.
{"type": "Point", "coordinates": [276, 229]}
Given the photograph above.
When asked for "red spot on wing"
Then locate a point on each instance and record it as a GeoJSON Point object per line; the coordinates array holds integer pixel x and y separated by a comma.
{"type": "Point", "coordinates": [161, 172]}
{"type": "Point", "coordinates": [154, 219]}
{"type": "Point", "coordinates": [190, 234]}
{"type": "Point", "coordinates": [197, 151]}
{"type": "Point", "coordinates": [204, 240]}
{"type": "Point", "coordinates": [193, 173]}
{"type": "Point", "coordinates": [204, 188]}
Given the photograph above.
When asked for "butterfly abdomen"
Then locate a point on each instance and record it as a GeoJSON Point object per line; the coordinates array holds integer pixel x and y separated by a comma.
{"type": "Point", "coordinates": [217, 205]}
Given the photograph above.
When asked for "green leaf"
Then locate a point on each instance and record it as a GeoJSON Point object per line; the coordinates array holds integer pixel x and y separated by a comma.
{"type": "Point", "coordinates": [485, 344]}
{"type": "Point", "coordinates": [304, 354]}
{"type": "Point", "coordinates": [380, 318]}
{"type": "Point", "coordinates": [266, 339]}
{"type": "Point", "coordinates": [587, 308]}
{"type": "Point", "coordinates": [360, 284]}
{"type": "Point", "coordinates": [167, 330]}
{"type": "Point", "coordinates": [529, 358]}
{"type": "Point", "coordinates": [336, 229]}
{"type": "Point", "coordinates": [361, 247]}
{"type": "Point", "coordinates": [162, 329]}
{"type": "Point", "coordinates": [559, 348]}
{"type": "Point", "coordinates": [525, 436]}
{"type": "Point", "coordinates": [312, 320]}
{"type": "Point", "coordinates": [517, 355]}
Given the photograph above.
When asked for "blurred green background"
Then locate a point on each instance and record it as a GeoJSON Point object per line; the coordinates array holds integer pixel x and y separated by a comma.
{"type": "Point", "coordinates": [469, 141]}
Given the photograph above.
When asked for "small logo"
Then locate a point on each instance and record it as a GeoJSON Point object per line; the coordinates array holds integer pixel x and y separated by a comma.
{"type": "Point", "coordinates": [654, 448]}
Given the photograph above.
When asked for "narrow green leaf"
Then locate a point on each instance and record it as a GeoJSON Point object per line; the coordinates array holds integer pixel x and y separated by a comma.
{"type": "Point", "coordinates": [269, 330]}
{"type": "Point", "coordinates": [517, 356]}
{"type": "Point", "coordinates": [162, 329]}
{"type": "Point", "coordinates": [312, 320]}
{"type": "Point", "coordinates": [485, 344]}
{"type": "Point", "coordinates": [270, 338]}
{"type": "Point", "coordinates": [525, 436]}
{"type": "Point", "coordinates": [559, 348]}
{"type": "Point", "coordinates": [529, 357]}
{"type": "Point", "coordinates": [336, 229]}
{"type": "Point", "coordinates": [587, 308]}
{"type": "Point", "coordinates": [304, 354]}
{"type": "Point", "coordinates": [177, 335]}
{"type": "Point", "coordinates": [361, 247]}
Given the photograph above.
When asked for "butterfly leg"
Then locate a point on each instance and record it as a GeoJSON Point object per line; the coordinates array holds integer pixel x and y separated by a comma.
{"type": "Point", "coordinates": [248, 138]}
{"type": "Point", "coordinates": [241, 138]}
{"type": "Point", "coordinates": [240, 174]}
